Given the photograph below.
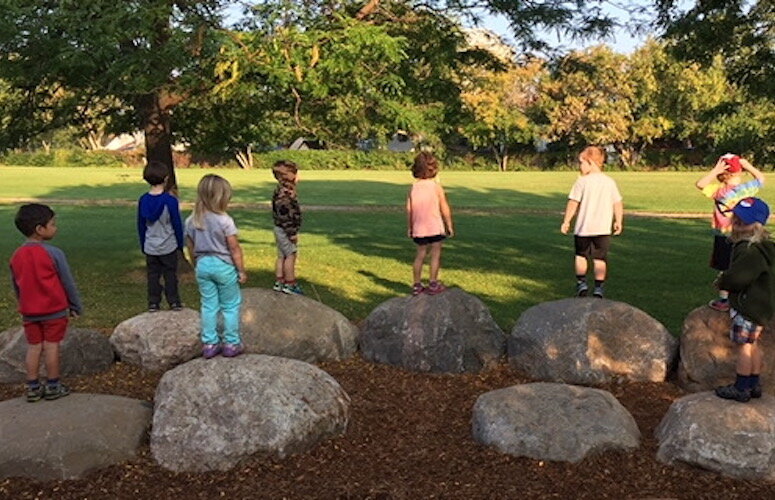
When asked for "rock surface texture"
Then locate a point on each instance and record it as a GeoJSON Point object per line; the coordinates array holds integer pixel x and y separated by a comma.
{"type": "Point", "coordinates": [708, 356]}
{"type": "Point", "coordinates": [66, 438]}
{"type": "Point", "coordinates": [731, 438]}
{"type": "Point", "coordinates": [589, 342]}
{"type": "Point", "coordinates": [293, 326]}
{"type": "Point", "coordinates": [82, 352]}
{"type": "Point", "coordinates": [158, 341]}
{"type": "Point", "coordinates": [210, 414]}
{"type": "Point", "coordinates": [556, 422]}
{"type": "Point", "coordinates": [452, 332]}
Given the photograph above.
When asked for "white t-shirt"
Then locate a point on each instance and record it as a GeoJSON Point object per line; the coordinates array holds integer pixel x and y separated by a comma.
{"type": "Point", "coordinates": [596, 193]}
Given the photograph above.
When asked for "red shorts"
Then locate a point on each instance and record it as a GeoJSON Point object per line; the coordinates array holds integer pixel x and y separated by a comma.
{"type": "Point", "coordinates": [50, 330]}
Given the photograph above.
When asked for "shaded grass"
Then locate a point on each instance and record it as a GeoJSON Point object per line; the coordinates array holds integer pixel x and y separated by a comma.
{"type": "Point", "coordinates": [524, 191]}
{"type": "Point", "coordinates": [354, 261]}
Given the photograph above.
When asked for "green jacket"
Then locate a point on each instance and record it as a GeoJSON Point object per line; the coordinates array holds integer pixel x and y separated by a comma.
{"type": "Point", "coordinates": [750, 280]}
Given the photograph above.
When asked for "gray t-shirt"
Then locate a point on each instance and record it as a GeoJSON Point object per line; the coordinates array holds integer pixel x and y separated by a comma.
{"type": "Point", "coordinates": [211, 240]}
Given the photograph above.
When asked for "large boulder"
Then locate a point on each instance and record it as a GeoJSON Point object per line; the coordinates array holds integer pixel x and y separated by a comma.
{"type": "Point", "coordinates": [553, 422]}
{"type": "Point", "coordinates": [708, 356]}
{"type": "Point", "coordinates": [66, 438]}
{"type": "Point", "coordinates": [452, 332]}
{"type": "Point", "coordinates": [210, 414]}
{"type": "Point", "coordinates": [293, 326]}
{"type": "Point", "coordinates": [160, 340]}
{"type": "Point", "coordinates": [589, 342]}
{"type": "Point", "coordinates": [82, 352]}
{"type": "Point", "coordinates": [727, 437]}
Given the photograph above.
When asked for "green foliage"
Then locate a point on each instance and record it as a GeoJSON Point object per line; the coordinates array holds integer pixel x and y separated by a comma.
{"type": "Point", "coordinates": [62, 158]}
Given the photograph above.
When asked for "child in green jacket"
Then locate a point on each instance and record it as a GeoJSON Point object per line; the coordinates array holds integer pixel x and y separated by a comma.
{"type": "Point", "coordinates": [751, 283]}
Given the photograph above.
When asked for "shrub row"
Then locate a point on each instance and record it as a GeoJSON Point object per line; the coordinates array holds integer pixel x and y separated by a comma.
{"type": "Point", "coordinates": [351, 159]}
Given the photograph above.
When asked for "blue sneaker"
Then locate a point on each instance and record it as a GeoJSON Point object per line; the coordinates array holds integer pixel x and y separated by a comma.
{"type": "Point", "coordinates": [292, 289]}
{"type": "Point", "coordinates": [278, 286]}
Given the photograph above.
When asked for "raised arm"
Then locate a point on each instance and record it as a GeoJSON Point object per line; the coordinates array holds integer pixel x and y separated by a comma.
{"type": "Point", "coordinates": [755, 172]}
{"type": "Point", "coordinates": [710, 177]}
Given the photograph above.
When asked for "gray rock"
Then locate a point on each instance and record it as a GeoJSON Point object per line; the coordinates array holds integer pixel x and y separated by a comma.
{"type": "Point", "coordinates": [452, 332]}
{"type": "Point", "coordinates": [708, 356]}
{"type": "Point", "coordinates": [731, 438]}
{"type": "Point", "coordinates": [553, 422]}
{"type": "Point", "coordinates": [293, 326]}
{"type": "Point", "coordinates": [66, 438]}
{"type": "Point", "coordinates": [158, 341]}
{"type": "Point", "coordinates": [210, 414]}
{"type": "Point", "coordinates": [589, 342]}
{"type": "Point", "coordinates": [82, 352]}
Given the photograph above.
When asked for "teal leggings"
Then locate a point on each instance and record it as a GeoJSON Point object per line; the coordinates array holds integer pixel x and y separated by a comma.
{"type": "Point", "coordinates": [219, 287]}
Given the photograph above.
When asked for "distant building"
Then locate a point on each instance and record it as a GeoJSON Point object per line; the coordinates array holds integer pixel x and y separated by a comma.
{"type": "Point", "coordinates": [401, 142]}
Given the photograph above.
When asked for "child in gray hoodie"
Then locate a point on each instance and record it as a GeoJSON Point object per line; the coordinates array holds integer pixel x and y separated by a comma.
{"type": "Point", "coordinates": [161, 237]}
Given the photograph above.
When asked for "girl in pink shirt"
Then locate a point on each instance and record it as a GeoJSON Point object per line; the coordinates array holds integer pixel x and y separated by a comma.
{"type": "Point", "coordinates": [429, 221]}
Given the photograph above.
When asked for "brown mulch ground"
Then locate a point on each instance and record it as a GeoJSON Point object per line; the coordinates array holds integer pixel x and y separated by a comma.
{"type": "Point", "coordinates": [409, 437]}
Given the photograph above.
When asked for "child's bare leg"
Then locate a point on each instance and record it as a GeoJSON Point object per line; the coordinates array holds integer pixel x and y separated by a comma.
{"type": "Point", "coordinates": [32, 360]}
{"type": "Point", "coordinates": [51, 353]}
{"type": "Point", "coordinates": [756, 359]}
{"type": "Point", "coordinates": [289, 268]}
{"type": "Point", "coordinates": [580, 265]}
{"type": "Point", "coordinates": [744, 359]}
{"type": "Point", "coordinates": [600, 268]}
{"type": "Point", "coordinates": [435, 260]}
{"type": "Point", "coordinates": [278, 269]}
{"type": "Point", "coordinates": [419, 260]}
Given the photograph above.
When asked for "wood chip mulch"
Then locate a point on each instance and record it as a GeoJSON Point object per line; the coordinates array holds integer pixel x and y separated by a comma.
{"type": "Point", "coordinates": [409, 437]}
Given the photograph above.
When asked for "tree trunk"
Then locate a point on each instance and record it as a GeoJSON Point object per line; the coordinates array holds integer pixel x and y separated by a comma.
{"type": "Point", "coordinates": [504, 162]}
{"type": "Point", "coordinates": [154, 110]}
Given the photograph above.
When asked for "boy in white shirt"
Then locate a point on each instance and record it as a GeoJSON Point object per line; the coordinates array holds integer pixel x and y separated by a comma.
{"type": "Point", "coordinates": [596, 203]}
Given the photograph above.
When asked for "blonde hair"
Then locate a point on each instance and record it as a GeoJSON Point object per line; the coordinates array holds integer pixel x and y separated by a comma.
{"type": "Point", "coordinates": [212, 195]}
{"type": "Point", "coordinates": [757, 233]}
{"type": "Point", "coordinates": [593, 154]}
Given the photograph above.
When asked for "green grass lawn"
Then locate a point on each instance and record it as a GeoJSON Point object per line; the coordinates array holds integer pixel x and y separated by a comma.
{"type": "Point", "coordinates": [354, 260]}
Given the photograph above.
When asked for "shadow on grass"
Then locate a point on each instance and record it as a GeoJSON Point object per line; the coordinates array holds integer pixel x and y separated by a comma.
{"type": "Point", "coordinates": [511, 261]}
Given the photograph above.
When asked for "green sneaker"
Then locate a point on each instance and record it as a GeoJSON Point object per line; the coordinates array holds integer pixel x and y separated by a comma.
{"type": "Point", "coordinates": [53, 392]}
{"type": "Point", "coordinates": [292, 289]}
{"type": "Point", "coordinates": [35, 394]}
{"type": "Point", "coordinates": [278, 286]}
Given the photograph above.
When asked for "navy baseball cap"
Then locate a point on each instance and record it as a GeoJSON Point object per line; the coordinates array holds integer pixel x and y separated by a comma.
{"type": "Point", "coordinates": [751, 210]}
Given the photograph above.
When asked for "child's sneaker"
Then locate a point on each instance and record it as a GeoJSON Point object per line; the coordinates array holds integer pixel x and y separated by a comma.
{"type": "Point", "coordinates": [232, 350]}
{"type": "Point", "coordinates": [435, 288]}
{"type": "Point", "coordinates": [152, 308]}
{"type": "Point", "coordinates": [35, 393]}
{"type": "Point", "coordinates": [582, 289]}
{"type": "Point", "coordinates": [756, 392]}
{"type": "Point", "coordinates": [417, 289]}
{"type": "Point", "coordinates": [292, 289]}
{"type": "Point", "coordinates": [211, 350]}
{"type": "Point", "coordinates": [278, 286]}
{"type": "Point", "coordinates": [57, 391]}
{"type": "Point", "coordinates": [732, 392]}
{"type": "Point", "coordinates": [176, 306]}
{"type": "Point", "coordinates": [598, 293]}
{"type": "Point", "coordinates": [719, 305]}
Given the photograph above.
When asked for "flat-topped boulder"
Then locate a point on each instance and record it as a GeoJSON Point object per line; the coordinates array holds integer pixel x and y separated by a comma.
{"type": "Point", "coordinates": [294, 326]}
{"type": "Point", "coordinates": [210, 414]}
{"type": "Point", "coordinates": [68, 437]}
{"type": "Point", "coordinates": [82, 352]}
{"type": "Point", "coordinates": [451, 332]}
{"type": "Point", "coordinates": [591, 341]}
{"type": "Point", "coordinates": [160, 340]}
{"type": "Point", "coordinates": [731, 438]}
{"type": "Point", "coordinates": [558, 422]}
{"type": "Point", "coordinates": [708, 357]}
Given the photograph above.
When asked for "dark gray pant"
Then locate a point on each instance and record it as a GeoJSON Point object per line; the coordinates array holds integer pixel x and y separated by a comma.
{"type": "Point", "coordinates": [162, 266]}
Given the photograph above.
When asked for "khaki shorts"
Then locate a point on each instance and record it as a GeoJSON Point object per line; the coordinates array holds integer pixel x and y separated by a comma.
{"type": "Point", "coordinates": [285, 247]}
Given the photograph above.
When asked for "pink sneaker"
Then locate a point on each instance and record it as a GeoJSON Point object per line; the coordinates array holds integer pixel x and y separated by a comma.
{"type": "Point", "coordinates": [417, 289]}
{"type": "Point", "coordinates": [435, 288]}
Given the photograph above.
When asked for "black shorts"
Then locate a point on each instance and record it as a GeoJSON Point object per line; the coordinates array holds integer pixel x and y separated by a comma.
{"type": "Point", "coordinates": [427, 240]}
{"type": "Point", "coordinates": [722, 253]}
{"type": "Point", "coordinates": [595, 247]}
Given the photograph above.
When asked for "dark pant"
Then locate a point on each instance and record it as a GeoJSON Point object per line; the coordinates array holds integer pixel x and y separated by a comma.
{"type": "Point", "coordinates": [167, 266]}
